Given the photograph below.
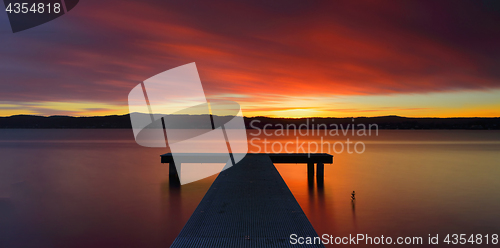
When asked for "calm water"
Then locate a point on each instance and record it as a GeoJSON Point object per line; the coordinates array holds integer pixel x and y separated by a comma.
{"type": "Point", "coordinates": [97, 188]}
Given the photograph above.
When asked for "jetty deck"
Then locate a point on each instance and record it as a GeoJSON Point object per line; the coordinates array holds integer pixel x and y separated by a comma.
{"type": "Point", "coordinates": [248, 205]}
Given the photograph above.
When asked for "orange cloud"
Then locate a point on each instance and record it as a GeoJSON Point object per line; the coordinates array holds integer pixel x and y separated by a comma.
{"type": "Point", "coordinates": [273, 54]}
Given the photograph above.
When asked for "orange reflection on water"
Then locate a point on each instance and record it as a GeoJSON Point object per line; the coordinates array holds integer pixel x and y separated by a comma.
{"type": "Point", "coordinates": [98, 188]}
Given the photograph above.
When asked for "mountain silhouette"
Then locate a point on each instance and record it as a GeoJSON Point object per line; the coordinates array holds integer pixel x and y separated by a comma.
{"type": "Point", "coordinates": [383, 122]}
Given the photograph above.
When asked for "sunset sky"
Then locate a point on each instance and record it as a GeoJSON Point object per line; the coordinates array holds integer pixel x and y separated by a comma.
{"type": "Point", "coordinates": [276, 58]}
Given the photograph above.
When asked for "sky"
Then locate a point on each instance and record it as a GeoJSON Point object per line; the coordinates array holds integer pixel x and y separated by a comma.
{"type": "Point", "coordinates": [276, 58]}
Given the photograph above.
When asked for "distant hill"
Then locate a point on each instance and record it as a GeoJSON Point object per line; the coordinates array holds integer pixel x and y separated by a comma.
{"type": "Point", "coordinates": [383, 122]}
{"type": "Point", "coordinates": [32, 121]}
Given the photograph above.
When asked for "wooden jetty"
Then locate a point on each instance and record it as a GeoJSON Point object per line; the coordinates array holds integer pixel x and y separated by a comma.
{"type": "Point", "coordinates": [249, 204]}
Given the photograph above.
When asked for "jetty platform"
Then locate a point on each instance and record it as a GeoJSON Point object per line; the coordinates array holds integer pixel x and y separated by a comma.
{"type": "Point", "coordinates": [249, 205]}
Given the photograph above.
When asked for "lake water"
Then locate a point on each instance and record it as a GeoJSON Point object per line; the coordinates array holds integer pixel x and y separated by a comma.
{"type": "Point", "coordinates": [98, 188]}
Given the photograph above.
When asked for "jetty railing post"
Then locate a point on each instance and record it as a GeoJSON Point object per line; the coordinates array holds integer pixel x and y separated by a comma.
{"type": "Point", "coordinates": [320, 174]}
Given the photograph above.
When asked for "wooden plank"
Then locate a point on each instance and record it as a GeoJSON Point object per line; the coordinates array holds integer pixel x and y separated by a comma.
{"type": "Point", "coordinates": [275, 157]}
{"type": "Point", "coordinates": [301, 158]}
{"type": "Point", "coordinates": [248, 205]}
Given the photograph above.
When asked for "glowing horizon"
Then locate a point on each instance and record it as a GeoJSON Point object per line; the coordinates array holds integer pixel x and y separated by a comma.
{"type": "Point", "coordinates": [441, 105]}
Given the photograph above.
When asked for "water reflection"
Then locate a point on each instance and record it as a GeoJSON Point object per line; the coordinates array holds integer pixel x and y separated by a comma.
{"type": "Point", "coordinates": [353, 204]}
{"type": "Point", "coordinates": [97, 188]}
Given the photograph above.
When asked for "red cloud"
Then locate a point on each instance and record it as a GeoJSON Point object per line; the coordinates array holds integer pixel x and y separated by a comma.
{"type": "Point", "coordinates": [101, 50]}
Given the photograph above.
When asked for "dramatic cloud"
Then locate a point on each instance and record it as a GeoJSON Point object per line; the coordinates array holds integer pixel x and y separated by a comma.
{"type": "Point", "coordinates": [254, 49]}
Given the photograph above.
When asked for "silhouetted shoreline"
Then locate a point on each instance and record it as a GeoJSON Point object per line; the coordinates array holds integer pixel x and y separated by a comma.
{"type": "Point", "coordinates": [383, 122]}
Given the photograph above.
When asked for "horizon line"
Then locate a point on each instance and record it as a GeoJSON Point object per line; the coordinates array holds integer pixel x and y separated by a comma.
{"type": "Point", "coordinates": [271, 117]}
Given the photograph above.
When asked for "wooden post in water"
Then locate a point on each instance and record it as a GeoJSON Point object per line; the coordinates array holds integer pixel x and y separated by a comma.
{"type": "Point", "coordinates": [310, 173]}
{"type": "Point", "coordinates": [173, 176]}
{"type": "Point", "coordinates": [320, 174]}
